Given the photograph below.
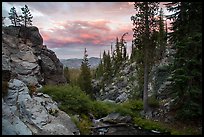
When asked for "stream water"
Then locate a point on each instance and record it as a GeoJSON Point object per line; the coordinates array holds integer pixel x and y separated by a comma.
{"type": "Point", "coordinates": [115, 124]}
{"type": "Point", "coordinates": [125, 130]}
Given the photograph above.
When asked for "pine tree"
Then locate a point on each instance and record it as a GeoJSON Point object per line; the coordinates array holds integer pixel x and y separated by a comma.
{"type": "Point", "coordinates": [14, 17]}
{"type": "Point", "coordinates": [26, 18]}
{"type": "Point", "coordinates": [144, 23]}
{"type": "Point", "coordinates": [132, 55]}
{"type": "Point", "coordinates": [123, 47]}
{"type": "Point", "coordinates": [99, 69]}
{"type": "Point", "coordinates": [67, 74]}
{"type": "Point", "coordinates": [119, 54]}
{"type": "Point", "coordinates": [186, 38]}
{"type": "Point", "coordinates": [85, 75]}
{"type": "Point", "coordinates": [162, 41]}
{"type": "Point", "coordinates": [125, 56]}
{"type": "Point", "coordinates": [107, 71]}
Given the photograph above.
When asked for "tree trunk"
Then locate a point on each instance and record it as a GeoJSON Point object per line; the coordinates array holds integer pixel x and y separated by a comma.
{"type": "Point", "coordinates": [15, 21]}
{"type": "Point", "coordinates": [145, 93]}
{"type": "Point", "coordinates": [25, 21]}
{"type": "Point", "coordinates": [146, 65]}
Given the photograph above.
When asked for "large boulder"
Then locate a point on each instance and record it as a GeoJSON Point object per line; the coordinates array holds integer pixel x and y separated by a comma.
{"type": "Point", "coordinates": [51, 67]}
{"type": "Point", "coordinates": [37, 115]}
{"type": "Point", "coordinates": [121, 87]}
{"type": "Point", "coordinates": [11, 124]}
{"type": "Point", "coordinates": [31, 33]}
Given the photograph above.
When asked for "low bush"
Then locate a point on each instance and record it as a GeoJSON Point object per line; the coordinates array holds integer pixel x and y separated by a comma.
{"type": "Point", "coordinates": [100, 109]}
{"type": "Point", "coordinates": [72, 99]}
{"type": "Point", "coordinates": [149, 124]}
{"type": "Point", "coordinates": [133, 105]}
{"type": "Point", "coordinates": [75, 101]}
{"type": "Point", "coordinates": [136, 93]}
{"type": "Point", "coordinates": [83, 123]}
{"type": "Point", "coordinates": [153, 102]}
{"type": "Point", "coordinates": [123, 111]}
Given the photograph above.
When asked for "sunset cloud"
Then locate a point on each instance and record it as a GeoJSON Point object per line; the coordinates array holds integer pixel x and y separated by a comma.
{"type": "Point", "coordinates": [88, 33]}
{"type": "Point", "coordinates": [68, 27]}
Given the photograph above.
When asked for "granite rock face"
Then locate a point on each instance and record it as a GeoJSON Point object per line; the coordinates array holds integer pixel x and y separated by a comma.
{"type": "Point", "coordinates": [120, 88]}
{"type": "Point", "coordinates": [26, 58]}
{"type": "Point", "coordinates": [27, 62]}
{"type": "Point", "coordinates": [36, 115]}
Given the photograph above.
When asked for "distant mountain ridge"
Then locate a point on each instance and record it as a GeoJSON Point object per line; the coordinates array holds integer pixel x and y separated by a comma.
{"type": "Point", "coordinates": [76, 63]}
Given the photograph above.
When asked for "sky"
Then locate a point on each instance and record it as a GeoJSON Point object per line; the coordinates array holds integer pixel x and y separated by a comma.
{"type": "Point", "coordinates": [68, 28]}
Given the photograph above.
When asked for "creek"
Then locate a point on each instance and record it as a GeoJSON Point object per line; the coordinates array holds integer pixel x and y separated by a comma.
{"type": "Point", "coordinates": [115, 124]}
{"type": "Point", "coordinates": [125, 130]}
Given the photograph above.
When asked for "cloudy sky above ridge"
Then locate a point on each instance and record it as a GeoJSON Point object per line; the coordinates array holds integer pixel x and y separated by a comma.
{"type": "Point", "coordinates": [69, 27]}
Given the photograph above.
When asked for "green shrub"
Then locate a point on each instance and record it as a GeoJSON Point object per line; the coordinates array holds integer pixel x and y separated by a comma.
{"type": "Point", "coordinates": [123, 111]}
{"type": "Point", "coordinates": [72, 99]}
{"type": "Point", "coordinates": [4, 88]}
{"type": "Point", "coordinates": [149, 124]}
{"type": "Point", "coordinates": [83, 124]}
{"type": "Point", "coordinates": [136, 93]}
{"type": "Point", "coordinates": [176, 132]}
{"type": "Point", "coordinates": [75, 101]}
{"type": "Point", "coordinates": [100, 109]}
{"type": "Point", "coordinates": [153, 102]}
{"type": "Point", "coordinates": [133, 105]}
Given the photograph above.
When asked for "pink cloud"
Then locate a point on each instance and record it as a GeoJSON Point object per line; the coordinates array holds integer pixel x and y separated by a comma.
{"type": "Point", "coordinates": [87, 36]}
{"type": "Point", "coordinates": [46, 36]}
{"type": "Point", "coordinates": [93, 33]}
{"type": "Point", "coordinates": [98, 32]}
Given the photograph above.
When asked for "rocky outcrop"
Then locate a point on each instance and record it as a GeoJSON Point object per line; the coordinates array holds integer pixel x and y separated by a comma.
{"type": "Point", "coordinates": [26, 58]}
{"type": "Point", "coordinates": [51, 67]}
{"type": "Point", "coordinates": [31, 33]}
{"type": "Point", "coordinates": [36, 115]}
{"type": "Point", "coordinates": [27, 62]}
{"type": "Point", "coordinates": [121, 87]}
